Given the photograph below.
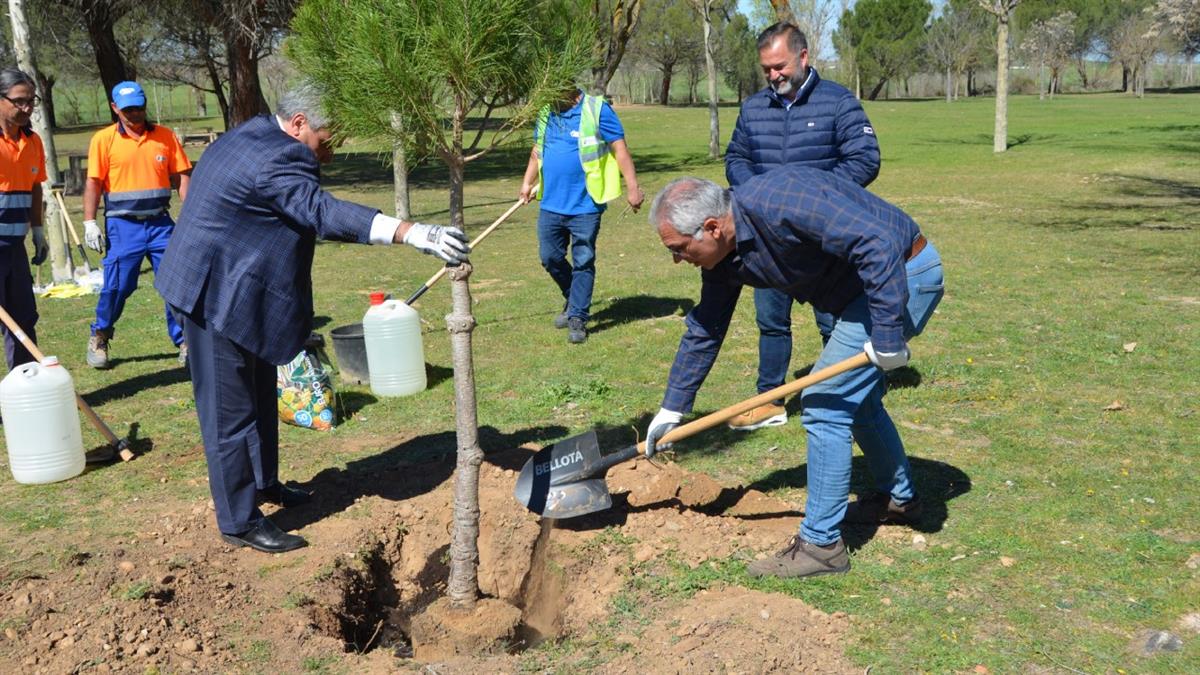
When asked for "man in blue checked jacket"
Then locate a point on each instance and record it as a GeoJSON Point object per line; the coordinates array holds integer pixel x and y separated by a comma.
{"type": "Point", "coordinates": [238, 274]}
{"type": "Point", "coordinates": [824, 240]}
{"type": "Point", "coordinates": [799, 119]}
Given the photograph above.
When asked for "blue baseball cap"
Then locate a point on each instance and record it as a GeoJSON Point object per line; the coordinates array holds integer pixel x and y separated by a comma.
{"type": "Point", "coordinates": [129, 94]}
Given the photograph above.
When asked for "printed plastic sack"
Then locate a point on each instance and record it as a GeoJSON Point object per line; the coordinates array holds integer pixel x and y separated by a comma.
{"type": "Point", "coordinates": [305, 389]}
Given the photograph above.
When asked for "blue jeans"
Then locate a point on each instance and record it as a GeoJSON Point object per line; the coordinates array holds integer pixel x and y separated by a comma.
{"type": "Point", "coordinates": [773, 314]}
{"type": "Point", "coordinates": [576, 278]}
{"type": "Point", "coordinates": [130, 242]}
{"type": "Point", "coordinates": [851, 406]}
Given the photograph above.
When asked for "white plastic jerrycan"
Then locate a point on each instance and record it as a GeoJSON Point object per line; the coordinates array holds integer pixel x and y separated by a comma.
{"type": "Point", "coordinates": [395, 356]}
{"type": "Point", "coordinates": [41, 423]}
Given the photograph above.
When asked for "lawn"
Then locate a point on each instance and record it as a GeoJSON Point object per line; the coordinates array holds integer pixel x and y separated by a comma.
{"type": "Point", "coordinates": [1051, 408]}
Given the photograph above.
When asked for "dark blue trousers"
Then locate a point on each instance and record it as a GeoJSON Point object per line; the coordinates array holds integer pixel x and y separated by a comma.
{"type": "Point", "coordinates": [130, 242]}
{"type": "Point", "coordinates": [16, 296]}
{"type": "Point", "coordinates": [236, 402]}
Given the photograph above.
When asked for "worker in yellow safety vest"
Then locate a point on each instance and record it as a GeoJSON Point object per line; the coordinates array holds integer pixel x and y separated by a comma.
{"type": "Point", "coordinates": [579, 155]}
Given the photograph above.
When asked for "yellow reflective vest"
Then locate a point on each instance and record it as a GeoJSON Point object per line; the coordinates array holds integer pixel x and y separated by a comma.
{"type": "Point", "coordinates": [600, 170]}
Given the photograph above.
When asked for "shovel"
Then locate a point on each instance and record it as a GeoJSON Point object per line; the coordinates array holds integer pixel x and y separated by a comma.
{"type": "Point", "coordinates": [566, 480]}
{"type": "Point", "coordinates": [69, 226]}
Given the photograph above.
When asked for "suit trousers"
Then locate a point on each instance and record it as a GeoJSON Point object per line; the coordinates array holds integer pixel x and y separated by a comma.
{"type": "Point", "coordinates": [235, 394]}
{"type": "Point", "coordinates": [16, 296]}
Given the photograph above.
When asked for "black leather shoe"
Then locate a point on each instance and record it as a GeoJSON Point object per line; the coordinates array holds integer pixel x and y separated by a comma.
{"type": "Point", "coordinates": [283, 495]}
{"type": "Point", "coordinates": [266, 537]}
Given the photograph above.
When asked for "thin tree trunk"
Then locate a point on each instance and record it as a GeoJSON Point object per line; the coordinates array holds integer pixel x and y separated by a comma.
{"type": "Point", "coordinates": [46, 91]}
{"type": "Point", "coordinates": [1081, 68]}
{"type": "Point", "coordinates": [623, 22]}
{"type": "Point", "coordinates": [875, 92]}
{"type": "Point", "coordinates": [714, 119]}
{"type": "Point", "coordinates": [399, 171]}
{"type": "Point", "coordinates": [60, 265]}
{"type": "Point", "coordinates": [463, 585]}
{"type": "Point", "coordinates": [664, 94]}
{"type": "Point", "coordinates": [1000, 137]}
{"type": "Point", "coordinates": [949, 85]}
{"type": "Point", "coordinates": [214, 74]}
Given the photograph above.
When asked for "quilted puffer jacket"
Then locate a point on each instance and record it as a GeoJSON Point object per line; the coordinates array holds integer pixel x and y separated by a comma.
{"type": "Point", "coordinates": [825, 128]}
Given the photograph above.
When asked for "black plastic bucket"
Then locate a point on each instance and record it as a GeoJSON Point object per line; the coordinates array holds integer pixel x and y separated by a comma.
{"type": "Point", "coordinates": [350, 350]}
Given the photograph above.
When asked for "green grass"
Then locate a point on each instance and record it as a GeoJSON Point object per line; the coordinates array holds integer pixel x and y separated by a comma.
{"type": "Point", "coordinates": [1080, 239]}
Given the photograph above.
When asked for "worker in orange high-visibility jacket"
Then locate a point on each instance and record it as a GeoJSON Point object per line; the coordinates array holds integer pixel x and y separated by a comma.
{"type": "Point", "coordinates": [134, 164]}
{"type": "Point", "coordinates": [22, 170]}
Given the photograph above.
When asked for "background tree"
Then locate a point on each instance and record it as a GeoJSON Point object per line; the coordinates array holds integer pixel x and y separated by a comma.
{"type": "Point", "coordinates": [710, 13]}
{"type": "Point", "coordinates": [1133, 41]}
{"type": "Point", "coordinates": [813, 17]}
{"type": "Point", "coordinates": [668, 38]}
{"type": "Point", "coordinates": [1092, 19]}
{"type": "Point", "coordinates": [886, 37]}
{"type": "Point", "coordinates": [615, 22]}
{"type": "Point", "coordinates": [100, 18]}
{"type": "Point", "coordinates": [1180, 20]}
{"type": "Point", "coordinates": [26, 60]}
{"type": "Point", "coordinates": [1002, 11]}
{"type": "Point", "coordinates": [248, 29]}
{"type": "Point", "coordinates": [1049, 44]}
{"type": "Point", "coordinates": [738, 57]}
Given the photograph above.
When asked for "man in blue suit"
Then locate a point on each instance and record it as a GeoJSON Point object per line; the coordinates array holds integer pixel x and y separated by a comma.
{"type": "Point", "coordinates": [238, 273]}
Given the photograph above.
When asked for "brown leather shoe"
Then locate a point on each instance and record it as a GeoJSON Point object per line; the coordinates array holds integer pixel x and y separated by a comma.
{"type": "Point", "coordinates": [766, 415]}
{"type": "Point", "coordinates": [878, 508]}
{"type": "Point", "coordinates": [802, 559]}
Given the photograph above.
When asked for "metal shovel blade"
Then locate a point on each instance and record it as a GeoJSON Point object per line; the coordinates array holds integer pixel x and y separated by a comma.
{"type": "Point", "coordinates": [566, 479]}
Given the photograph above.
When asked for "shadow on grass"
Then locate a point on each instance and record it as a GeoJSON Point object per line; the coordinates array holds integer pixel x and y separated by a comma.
{"type": "Point", "coordinates": [411, 468]}
{"type": "Point", "coordinates": [1143, 202]}
{"type": "Point", "coordinates": [936, 482]}
{"type": "Point", "coordinates": [139, 383]}
{"type": "Point", "coordinates": [638, 307]}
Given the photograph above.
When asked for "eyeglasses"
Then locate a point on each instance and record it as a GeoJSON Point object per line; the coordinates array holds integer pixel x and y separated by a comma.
{"type": "Point", "coordinates": [24, 102]}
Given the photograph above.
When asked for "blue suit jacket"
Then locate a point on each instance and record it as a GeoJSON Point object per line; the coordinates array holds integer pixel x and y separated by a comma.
{"type": "Point", "coordinates": [240, 259]}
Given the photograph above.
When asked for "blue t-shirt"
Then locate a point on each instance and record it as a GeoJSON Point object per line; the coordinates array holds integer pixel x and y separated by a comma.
{"type": "Point", "coordinates": [564, 187]}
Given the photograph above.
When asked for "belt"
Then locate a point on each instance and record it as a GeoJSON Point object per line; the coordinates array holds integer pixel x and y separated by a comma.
{"type": "Point", "coordinates": [918, 245]}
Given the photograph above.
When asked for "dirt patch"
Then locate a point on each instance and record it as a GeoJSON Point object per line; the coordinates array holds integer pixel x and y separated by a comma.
{"type": "Point", "coordinates": [364, 596]}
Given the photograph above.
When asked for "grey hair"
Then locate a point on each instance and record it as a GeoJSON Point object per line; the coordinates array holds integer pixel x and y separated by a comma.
{"type": "Point", "coordinates": [685, 203]}
{"type": "Point", "coordinates": [11, 77]}
{"type": "Point", "coordinates": [303, 98]}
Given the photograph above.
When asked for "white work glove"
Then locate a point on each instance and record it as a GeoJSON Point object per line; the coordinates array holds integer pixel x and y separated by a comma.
{"type": "Point", "coordinates": [888, 360]}
{"type": "Point", "coordinates": [40, 248]}
{"type": "Point", "coordinates": [663, 422]}
{"type": "Point", "coordinates": [92, 236]}
{"type": "Point", "coordinates": [447, 243]}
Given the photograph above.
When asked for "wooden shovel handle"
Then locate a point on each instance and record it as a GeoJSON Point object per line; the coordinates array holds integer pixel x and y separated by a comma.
{"type": "Point", "coordinates": [62, 204]}
{"type": "Point", "coordinates": [126, 453]}
{"type": "Point", "coordinates": [440, 273]}
{"type": "Point", "coordinates": [724, 415]}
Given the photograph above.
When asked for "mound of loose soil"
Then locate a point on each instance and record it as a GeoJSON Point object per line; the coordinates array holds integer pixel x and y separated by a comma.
{"type": "Point", "coordinates": [362, 596]}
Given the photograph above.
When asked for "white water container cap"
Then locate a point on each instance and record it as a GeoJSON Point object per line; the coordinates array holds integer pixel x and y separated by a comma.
{"type": "Point", "coordinates": [49, 360]}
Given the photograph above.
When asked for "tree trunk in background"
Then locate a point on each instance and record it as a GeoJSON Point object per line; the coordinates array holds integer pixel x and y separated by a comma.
{"type": "Point", "coordinates": [46, 91]}
{"type": "Point", "coordinates": [245, 89]}
{"type": "Point", "coordinates": [949, 85]}
{"type": "Point", "coordinates": [1000, 136]}
{"type": "Point", "coordinates": [1081, 68]}
{"type": "Point", "coordinates": [783, 11]}
{"type": "Point", "coordinates": [875, 92]}
{"type": "Point", "coordinates": [400, 172]}
{"type": "Point", "coordinates": [710, 63]}
{"type": "Point", "coordinates": [1124, 78]}
{"type": "Point", "coordinates": [60, 265]}
{"type": "Point", "coordinates": [215, 75]}
{"type": "Point", "coordinates": [664, 93]}
{"type": "Point", "coordinates": [622, 23]}
{"type": "Point", "coordinates": [99, 19]}
{"type": "Point", "coordinates": [463, 585]}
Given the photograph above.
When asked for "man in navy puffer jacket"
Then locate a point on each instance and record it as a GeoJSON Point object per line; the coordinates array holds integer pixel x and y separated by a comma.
{"type": "Point", "coordinates": [798, 119]}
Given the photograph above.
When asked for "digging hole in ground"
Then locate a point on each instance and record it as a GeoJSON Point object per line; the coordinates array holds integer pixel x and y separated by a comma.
{"type": "Point", "coordinates": [392, 596]}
